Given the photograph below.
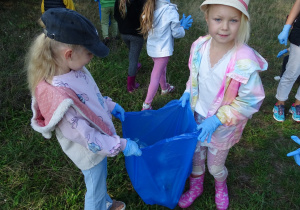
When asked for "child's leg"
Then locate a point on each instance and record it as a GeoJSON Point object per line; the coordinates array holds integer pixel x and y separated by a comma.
{"type": "Point", "coordinates": [199, 161]}
{"type": "Point", "coordinates": [196, 179]}
{"type": "Point", "coordinates": [290, 75]}
{"type": "Point", "coordinates": [163, 79]}
{"type": "Point", "coordinates": [105, 12]}
{"type": "Point", "coordinates": [216, 166]}
{"type": "Point", "coordinates": [114, 24]}
{"type": "Point", "coordinates": [297, 102]}
{"type": "Point", "coordinates": [135, 45]}
{"type": "Point", "coordinates": [96, 195]}
{"type": "Point", "coordinates": [160, 65]}
{"type": "Point", "coordinates": [216, 163]}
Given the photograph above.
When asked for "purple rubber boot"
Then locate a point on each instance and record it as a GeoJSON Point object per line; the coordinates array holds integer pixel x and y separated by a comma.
{"type": "Point", "coordinates": [131, 84]}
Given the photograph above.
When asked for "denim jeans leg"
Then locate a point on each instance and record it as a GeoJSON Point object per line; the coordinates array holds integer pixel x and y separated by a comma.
{"type": "Point", "coordinates": [290, 75]}
{"type": "Point", "coordinates": [96, 195]}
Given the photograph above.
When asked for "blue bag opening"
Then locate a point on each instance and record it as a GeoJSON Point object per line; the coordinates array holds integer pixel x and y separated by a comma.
{"type": "Point", "coordinates": [167, 138]}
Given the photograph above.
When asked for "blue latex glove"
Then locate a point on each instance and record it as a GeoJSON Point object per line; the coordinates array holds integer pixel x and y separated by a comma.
{"type": "Point", "coordinates": [208, 127]}
{"type": "Point", "coordinates": [118, 112]}
{"type": "Point", "coordinates": [295, 153]}
{"type": "Point", "coordinates": [184, 98]}
{"type": "Point", "coordinates": [186, 22]}
{"type": "Point", "coordinates": [283, 36]}
{"type": "Point", "coordinates": [282, 52]}
{"type": "Point", "coordinates": [132, 148]}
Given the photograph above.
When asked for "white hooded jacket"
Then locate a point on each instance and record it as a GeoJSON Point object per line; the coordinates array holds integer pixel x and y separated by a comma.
{"type": "Point", "coordinates": [166, 27]}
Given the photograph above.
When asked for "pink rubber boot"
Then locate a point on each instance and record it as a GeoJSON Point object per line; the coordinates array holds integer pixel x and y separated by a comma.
{"type": "Point", "coordinates": [196, 189]}
{"type": "Point", "coordinates": [221, 197]}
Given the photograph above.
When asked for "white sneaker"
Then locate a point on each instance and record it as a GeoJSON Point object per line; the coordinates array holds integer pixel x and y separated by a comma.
{"type": "Point", "coordinates": [146, 106]}
{"type": "Point", "coordinates": [118, 205]}
{"type": "Point", "coordinates": [170, 89]}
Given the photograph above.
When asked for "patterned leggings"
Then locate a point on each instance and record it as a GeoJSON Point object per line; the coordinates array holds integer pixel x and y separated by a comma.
{"type": "Point", "coordinates": [215, 162]}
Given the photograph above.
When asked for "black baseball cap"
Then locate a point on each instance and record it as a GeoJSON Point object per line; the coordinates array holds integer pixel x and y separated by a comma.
{"type": "Point", "coordinates": [70, 27]}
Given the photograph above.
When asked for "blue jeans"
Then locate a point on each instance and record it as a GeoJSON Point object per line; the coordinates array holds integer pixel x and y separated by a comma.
{"type": "Point", "coordinates": [96, 195]}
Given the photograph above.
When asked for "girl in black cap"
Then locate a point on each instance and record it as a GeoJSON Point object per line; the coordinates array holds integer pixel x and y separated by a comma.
{"type": "Point", "coordinates": [65, 98]}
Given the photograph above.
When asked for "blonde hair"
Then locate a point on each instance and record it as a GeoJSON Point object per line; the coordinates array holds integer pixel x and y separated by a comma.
{"type": "Point", "coordinates": [244, 30]}
{"type": "Point", "coordinates": [123, 8]}
{"type": "Point", "coordinates": [43, 59]}
{"type": "Point", "coordinates": [146, 18]}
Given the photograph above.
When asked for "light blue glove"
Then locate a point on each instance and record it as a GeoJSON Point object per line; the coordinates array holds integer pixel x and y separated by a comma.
{"type": "Point", "coordinates": [282, 52]}
{"type": "Point", "coordinates": [118, 112]}
{"type": "Point", "coordinates": [295, 153]}
{"type": "Point", "coordinates": [132, 148]}
{"type": "Point", "coordinates": [208, 127]}
{"type": "Point", "coordinates": [184, 98]}
{"type": "Point", "coordinates": [283, 36]}
{"type": "Point", "coordinates": [186, 22]}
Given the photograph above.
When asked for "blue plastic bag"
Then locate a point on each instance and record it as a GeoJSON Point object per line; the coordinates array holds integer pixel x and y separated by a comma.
{"type": "Point", "coordinates": [167, 138]}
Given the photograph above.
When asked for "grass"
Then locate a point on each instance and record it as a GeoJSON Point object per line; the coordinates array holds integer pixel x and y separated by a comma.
{"type": "Point", "coordinates": [36, 174]}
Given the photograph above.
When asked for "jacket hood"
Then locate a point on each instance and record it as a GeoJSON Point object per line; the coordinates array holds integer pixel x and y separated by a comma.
{"type": "Point", "coordinates": [160, 8]}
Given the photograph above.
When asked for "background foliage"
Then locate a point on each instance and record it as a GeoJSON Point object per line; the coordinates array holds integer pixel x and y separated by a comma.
{"type": "Point", "coordinates": [35, 173]}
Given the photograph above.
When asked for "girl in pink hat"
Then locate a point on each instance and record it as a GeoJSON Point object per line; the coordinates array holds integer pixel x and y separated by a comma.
{"type": "Point", "coordinates": [224, 90]}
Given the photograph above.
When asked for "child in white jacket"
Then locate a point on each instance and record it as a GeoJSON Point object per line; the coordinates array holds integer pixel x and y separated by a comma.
{"type": "Point", "coordinates": [160, 23]}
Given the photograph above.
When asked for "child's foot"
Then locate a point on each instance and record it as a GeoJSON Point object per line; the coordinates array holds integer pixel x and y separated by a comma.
{"type": "Point", "coordinates": [279, 113]}
{"type": "Point", "coordinates": [295, 111]}
{"type": "Point", "coordinates": [196, 189]}
{"type": "Point", "coordinates": [221, 197]}
{"type": "Point", "coordinates": [106, 41]}
{"type": "Point", "coordinates": [146, 106]}
{"type": "Point", "coordinates": [117, 205]}
{"type": "Point", "coordinates": [116, 38]}
{"type": "Point", "coordinates": [139, 66]}
{"type": "Point", "coordinates": [170, 89]}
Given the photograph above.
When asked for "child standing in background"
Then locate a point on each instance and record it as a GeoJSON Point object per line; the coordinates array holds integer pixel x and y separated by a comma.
{"type": "Point", "coordinates": [48, 4]}
{"type": "Point", "coordinates": [127, 14]}
{"type": "Point", "coordinates": [292, 71]}
{"type": "Point", "coordinates": [160, 23]}
{"type": "Point", "coordinates": [224, 90]}
{"type": "Point", "coordinates": [65, 98]}
{"type": "Point", "coordinates": [107, 17]}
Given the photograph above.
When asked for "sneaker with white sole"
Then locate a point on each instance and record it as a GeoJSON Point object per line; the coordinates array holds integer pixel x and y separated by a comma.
{"type": "Point", "coordinates": [118, 205]}
{"type": "Point", "coordinates": [170, 89]}
{"type": "Point", "coordinates": [278, 111]}
{"type": "Point", "coordinates": [295, 111]}
{"type": "Point", "coordinates": [146, 106]}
